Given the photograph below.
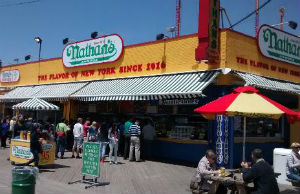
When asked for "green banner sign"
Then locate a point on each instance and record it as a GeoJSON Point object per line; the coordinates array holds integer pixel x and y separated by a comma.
{"type": "Point", "coordinates": [104, 49]}
{"type": "Point", "coordinates": [90, 159]}
{"type": "Point", "coordinates": [279, 45]}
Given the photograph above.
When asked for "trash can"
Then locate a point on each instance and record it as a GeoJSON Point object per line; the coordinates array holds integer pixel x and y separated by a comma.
{"type": "Point", "coordinates": [23, 180]}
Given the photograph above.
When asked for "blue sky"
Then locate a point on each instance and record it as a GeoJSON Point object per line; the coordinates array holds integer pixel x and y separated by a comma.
{"type": "Point", "coordinates": [135, 20]}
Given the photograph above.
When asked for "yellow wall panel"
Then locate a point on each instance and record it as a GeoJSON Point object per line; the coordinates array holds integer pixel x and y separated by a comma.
{"type": "Point", "coordinates": [178, 55]}
{"type": "Point", "coordinates": [245, 47]}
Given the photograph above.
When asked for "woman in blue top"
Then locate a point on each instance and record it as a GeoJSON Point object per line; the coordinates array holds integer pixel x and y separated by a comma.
{"type": "Point", "coordinates": [92, 133]}
{"type": "Point", "coordinates": [4, 131]}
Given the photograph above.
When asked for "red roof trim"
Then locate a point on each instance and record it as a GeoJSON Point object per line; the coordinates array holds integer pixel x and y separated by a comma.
{"type": "Point", "coordinates": [167, 40]}
{"type": "Point", "coordinates": [44, 60]}
{"type": "Point", "coordinates": [228, 29]}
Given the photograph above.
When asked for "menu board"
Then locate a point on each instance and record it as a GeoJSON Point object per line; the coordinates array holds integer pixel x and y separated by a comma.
{"type": "Point", "coordinates": [90, 159]}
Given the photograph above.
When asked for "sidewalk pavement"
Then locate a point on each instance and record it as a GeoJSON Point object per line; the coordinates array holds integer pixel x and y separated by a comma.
{"type": "Point", "coordinates": [125, 178]}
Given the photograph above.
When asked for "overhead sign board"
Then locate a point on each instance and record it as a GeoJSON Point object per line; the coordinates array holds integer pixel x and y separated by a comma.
{"type": "Point", "coordinates": [94, 51]}
{"type": "Point", "coordinates": [208, 31]}
{"type": "Point", "coordinates": [179, 101]}
{"type": "Point", "coordinates": [279, 45]}
{"type": "Point", "coordinates": [10, 76]}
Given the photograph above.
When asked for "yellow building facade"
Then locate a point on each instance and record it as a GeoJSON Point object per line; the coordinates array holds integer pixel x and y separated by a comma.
{"type": "Point", "coordinates": [238, 52]}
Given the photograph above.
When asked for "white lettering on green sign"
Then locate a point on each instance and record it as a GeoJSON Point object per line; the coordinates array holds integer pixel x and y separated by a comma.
{"type": "Point", "coordinates": [90, 159]}
{"type": "Point", "coordinates": [279, 45]}
{"type": "Point", "coordinates": [99, 50]}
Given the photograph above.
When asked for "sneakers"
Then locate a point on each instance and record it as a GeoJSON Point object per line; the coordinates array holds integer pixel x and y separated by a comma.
{"type": "Point", "coordinates": [78, 157]}
{"type": "Point", "coordinates": [73, 156]}
{"type": "Point", "coordinates": [113, 162]}
{"type": "Point", "coordinates": [102, 161]}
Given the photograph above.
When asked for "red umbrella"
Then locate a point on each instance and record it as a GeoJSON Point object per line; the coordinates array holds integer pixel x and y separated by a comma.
{"type": "Point", "coordinates": [246, 101]}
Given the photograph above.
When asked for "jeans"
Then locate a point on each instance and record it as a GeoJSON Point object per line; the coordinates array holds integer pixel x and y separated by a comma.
{"type": "Point", "coordinates": [126, 145]}
{"type": "Point", "coordinates": [294, 176]}
{"type": "Point", "coordinates": [113, 147]}
{"type": "Point", "coordinates": [60, 145]}
{"type": "Point", "coordinates": [135, 147]}
{"type": "Point", "coordinates": [102, 149]}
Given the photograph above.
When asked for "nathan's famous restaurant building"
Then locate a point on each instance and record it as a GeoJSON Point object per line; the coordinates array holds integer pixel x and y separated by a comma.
{"type": "Point", "coordinates": [164, 81]}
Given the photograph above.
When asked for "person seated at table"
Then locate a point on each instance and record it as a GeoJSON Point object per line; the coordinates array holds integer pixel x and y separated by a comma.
{"type": "Point", "coordinates": [206, 167]}
{"type": "Point", "coordinates": [293, 163]}
{"type": "Point", "coordinates": [261, 174]}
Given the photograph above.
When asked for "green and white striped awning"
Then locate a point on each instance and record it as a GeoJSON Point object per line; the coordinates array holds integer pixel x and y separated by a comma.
{"type": "Point", "coordinates": [35, 104]}
{"type": "Point", "coordinates": [166, 86]}
{"type": "Point", "coordinates": [269, 83]}
{"type": "Point", "coordinates": [53, 92]}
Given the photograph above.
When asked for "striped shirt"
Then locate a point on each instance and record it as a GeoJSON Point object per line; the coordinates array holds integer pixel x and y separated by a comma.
{"type": "Point", "coordinates": [293, 163]}
{"type": "Point", "coordinates": [134, 130]}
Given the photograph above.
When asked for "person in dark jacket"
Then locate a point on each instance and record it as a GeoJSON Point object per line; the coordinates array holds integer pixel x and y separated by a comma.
{"type": "Point", "coordinates": [35, 145]}
{"type": "Point", "coordinates": [28, 124]}
{"type": "Point", "coordinates": [19, 126]}
{"type": "Point", "coordinates": [261, 173]}
{"type": "Point", "coordinates": [4, 132]}
{"type": "Point", "coordinates": [103, 139]}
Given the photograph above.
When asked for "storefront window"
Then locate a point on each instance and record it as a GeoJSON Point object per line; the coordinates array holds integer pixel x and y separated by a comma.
{"type": "Point", "coordinates": [181, 122]}
{"type": "Point", "coordinates": [258, 127]}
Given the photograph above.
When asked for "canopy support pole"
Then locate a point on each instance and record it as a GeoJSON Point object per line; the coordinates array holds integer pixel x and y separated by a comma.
{"type": "Point", "coordinates": [3, 110]}
{"type": "Point", "coordinates": [244, 140]}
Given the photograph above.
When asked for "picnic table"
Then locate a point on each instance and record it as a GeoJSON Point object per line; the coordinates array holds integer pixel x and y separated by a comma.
{"type": "Point", "coordinates": [234, 182]}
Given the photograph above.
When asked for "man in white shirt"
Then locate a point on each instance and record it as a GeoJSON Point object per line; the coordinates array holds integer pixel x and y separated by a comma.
{"type": "Point", "coordinates": [78, 138]}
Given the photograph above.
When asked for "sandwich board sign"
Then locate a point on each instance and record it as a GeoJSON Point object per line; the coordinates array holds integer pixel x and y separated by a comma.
{"type": "Point", "coordinates": [90, 165]}
{"type": "Point", "coordinates": [90, 159]}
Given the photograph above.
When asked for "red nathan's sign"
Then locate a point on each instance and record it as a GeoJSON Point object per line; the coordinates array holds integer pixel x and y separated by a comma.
{"type": "Point", "coordinates": [208, 31]}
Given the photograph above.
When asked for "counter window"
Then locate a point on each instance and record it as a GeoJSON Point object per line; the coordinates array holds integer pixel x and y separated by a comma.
{"type": "Point", "coordinates": [180, 122]}
{"type": "Point", "coordinates": [258, 127]}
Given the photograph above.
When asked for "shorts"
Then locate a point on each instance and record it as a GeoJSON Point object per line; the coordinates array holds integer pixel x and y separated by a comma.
{"type": "Point", "coordinates": [78, 141]}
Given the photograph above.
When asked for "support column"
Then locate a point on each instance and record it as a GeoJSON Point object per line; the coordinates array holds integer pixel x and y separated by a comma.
{"type": "Point", "coordinates": [223, 140]}
{"type": "Point", "coordinates": [74, 109]}
{"type": "Point", "coordinates": [294, 128]}
{"type": "Point", "coordinates": [67, 105]}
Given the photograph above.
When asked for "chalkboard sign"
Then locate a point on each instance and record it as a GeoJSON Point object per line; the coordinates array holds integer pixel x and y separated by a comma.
{"type": "Point", "coordinates": [90, 159]}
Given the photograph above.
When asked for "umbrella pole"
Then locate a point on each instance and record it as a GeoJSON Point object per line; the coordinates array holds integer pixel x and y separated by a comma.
{"type": "Point", "coordinates": [244, 140]}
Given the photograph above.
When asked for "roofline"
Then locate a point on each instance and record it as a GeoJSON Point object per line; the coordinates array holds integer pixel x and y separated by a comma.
{"type": "Point", "coordinates": [140, 44]}
{"type": "Point", "coordinates": [128, 46]}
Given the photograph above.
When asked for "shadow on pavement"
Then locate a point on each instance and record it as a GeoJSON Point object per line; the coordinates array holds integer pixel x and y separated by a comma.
{"type": "Point", "coordinates": [53, 166]}
{"type": "Point", "coordinates": [290, 191]}
{"type": "Point", "coordinates": [45, 170]}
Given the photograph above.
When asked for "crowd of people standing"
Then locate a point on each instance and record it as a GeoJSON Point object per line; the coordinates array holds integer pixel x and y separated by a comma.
{"type": "Point", "coordinates": [123, 139]}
